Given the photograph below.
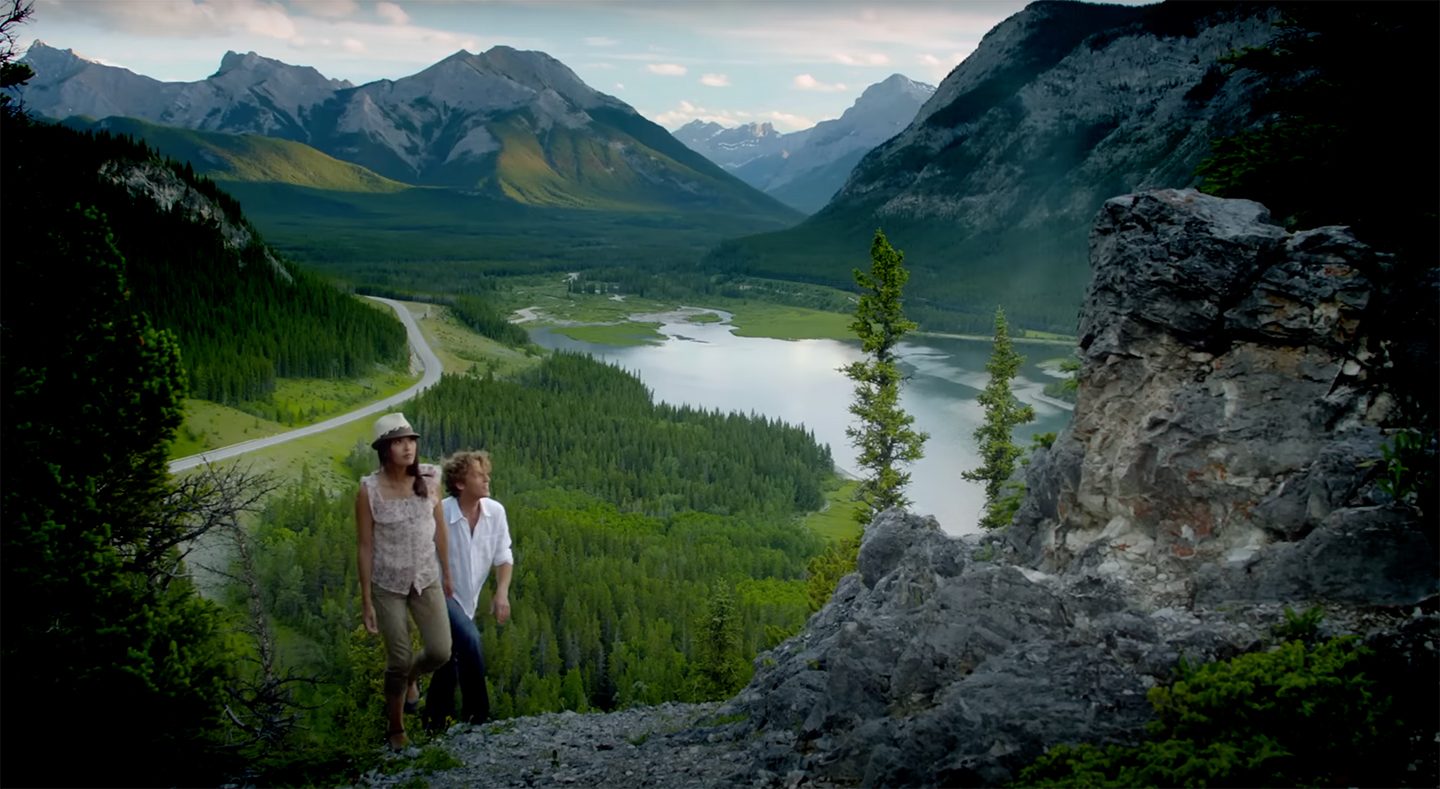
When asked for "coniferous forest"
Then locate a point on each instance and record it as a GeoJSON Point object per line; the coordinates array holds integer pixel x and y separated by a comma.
{"type": "Point", "coordinates": [103, 629]}
{"type": "Point", "coordinates": [242, 317]}
{"type": "Point", "coordinates": [656, 551]}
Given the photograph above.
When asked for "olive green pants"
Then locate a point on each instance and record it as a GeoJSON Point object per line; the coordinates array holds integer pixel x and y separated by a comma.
{"type": "Point", "coordinates": [428, 609]}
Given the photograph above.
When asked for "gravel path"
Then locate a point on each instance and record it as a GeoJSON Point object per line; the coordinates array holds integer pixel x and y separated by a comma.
{"type": "Point", "coordinates": [671, 745]}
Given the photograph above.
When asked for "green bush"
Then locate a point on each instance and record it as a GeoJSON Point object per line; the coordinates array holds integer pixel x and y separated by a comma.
{"type": "Point", "coordinates": [1294, 715]}
{"type": "Point", "coordinates": [825, 571]}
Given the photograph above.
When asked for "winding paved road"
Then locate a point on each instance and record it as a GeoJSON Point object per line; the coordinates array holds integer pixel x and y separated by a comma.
{"type": "Point", "coordinates": [428, 361]}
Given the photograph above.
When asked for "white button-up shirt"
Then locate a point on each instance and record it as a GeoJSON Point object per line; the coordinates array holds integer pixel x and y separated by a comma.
{"type": "Point", "coordinates": [472, 555]}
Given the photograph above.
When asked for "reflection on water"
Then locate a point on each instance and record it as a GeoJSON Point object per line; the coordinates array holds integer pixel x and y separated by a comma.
{"type": "Point", "coordinates": [799, 382]}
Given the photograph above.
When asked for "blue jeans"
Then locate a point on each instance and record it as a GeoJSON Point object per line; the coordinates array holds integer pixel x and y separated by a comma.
{"type": "Point", "coordinates": [466, 666]}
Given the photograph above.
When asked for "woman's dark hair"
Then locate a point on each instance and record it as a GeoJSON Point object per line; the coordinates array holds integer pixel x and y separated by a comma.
{"type": "Point", "coordinates": [421, 489]}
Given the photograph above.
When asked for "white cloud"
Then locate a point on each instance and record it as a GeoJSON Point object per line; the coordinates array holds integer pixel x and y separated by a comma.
{"type": "Point", "coordinates": [392, 50]}
{"type": "Point", "coordinates": [328, 9]}
{"type": "Point", "coordinates": [687, 112]}
{"type": "Point", "coordinates": [788, 121]}
{"type": "Point", "coordinates": [807, 82]}
{"type": "Point", "coordinates": [619, 86]}
{"type": "Point", "coordinates": [666, 69]}
{"type": "Point", "coordinates": [863, 59]}
{"type": "Point", "coordinates": [392, 13]}
{"type": "Point", "coordinates": [353, 45]}
{"type": "Point", "coordinates": [715, 80]}
{"type": "Point", "coordinates": [181, 18]}
{"type": "Point", "coordinates": [936, 67]}
{"type": "Point", "coordinates": [600, 41]}
{"type": "Point", "coordinates": [800, 32]}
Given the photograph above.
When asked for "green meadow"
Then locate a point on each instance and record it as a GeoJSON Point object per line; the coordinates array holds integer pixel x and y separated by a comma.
{"type": "Point", "coordinates": [294, 403]}
{"type": "Point", "coordinates": [759, 319]}
{"type": "Point", "coordinates": [835, 520]}
{"type": "Point", "coordinates": [463, 351]}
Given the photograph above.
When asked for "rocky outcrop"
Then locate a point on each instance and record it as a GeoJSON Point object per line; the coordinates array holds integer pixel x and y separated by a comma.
{"type": "Point", "coordinates": [938, 665]}
{"type": "Point", "coordinates": [1218, 470]}
{"type": "Point", "coordinates": [1229, 426]}
{"type": "Point", "coordinates": [155, 181]}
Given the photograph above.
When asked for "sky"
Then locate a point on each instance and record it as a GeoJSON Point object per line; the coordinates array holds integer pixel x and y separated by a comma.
{"type": "Point", "coordinates": [792, 63]}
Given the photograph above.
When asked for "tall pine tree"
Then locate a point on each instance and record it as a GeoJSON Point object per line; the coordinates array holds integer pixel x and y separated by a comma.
{"type": "Point", "coordinates": [1003, 412]}
{"type": "Point", "coordinates": [884, 436]}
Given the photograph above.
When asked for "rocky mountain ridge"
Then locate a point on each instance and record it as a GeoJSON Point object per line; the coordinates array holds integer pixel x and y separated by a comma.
{"type": "Point", "coordinates": [248, 94]}
{"type": "Point", "coordinates": [733, 147]}
{"type": "Point", "coordinates": [517, 125]}
{"type": "Point", "coordinates": [805, 168]}
{"type": "Point", "coordinates": [1222, 470]}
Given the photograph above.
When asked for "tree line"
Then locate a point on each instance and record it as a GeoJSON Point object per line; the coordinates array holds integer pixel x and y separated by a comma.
{"type": "Point", "coordinates": [577, 424]}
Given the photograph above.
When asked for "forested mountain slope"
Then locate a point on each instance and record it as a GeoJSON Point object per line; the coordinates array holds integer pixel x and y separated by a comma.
{"type": "Point", "coordinates": [991, 189]}
{"type": "Point", "coordinates": [242, 316]}
{"type": "Point", "coordinates": [232, 158]}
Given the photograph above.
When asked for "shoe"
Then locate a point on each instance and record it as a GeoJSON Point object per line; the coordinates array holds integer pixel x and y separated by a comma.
{"type": "Point", "coordinates": [397, 740]}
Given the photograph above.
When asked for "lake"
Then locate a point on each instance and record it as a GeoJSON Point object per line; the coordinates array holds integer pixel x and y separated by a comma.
{"type": "Point", "coordinates": [798, 381]}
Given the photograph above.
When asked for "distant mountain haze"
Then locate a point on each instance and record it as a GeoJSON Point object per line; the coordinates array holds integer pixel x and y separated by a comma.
{"type": "Point", "coordinates": [804, 169]}
{"type": "Point", "coordinates": [519, 126]}
{"type": "Point", "coordinates": [733, 148]}
{"type": "Point", "coordinates": [990, 190]}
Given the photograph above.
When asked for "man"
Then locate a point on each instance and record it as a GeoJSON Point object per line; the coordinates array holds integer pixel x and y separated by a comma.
{"type": "Point", "coordinates": [479, 538]}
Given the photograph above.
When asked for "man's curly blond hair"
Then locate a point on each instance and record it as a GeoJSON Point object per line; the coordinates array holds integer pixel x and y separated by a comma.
{"type": "Point", "coordinates": [457, 466]}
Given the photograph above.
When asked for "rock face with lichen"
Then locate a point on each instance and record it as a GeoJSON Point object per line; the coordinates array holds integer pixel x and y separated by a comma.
{"type": "Point", "coordinates": [1229, 425]}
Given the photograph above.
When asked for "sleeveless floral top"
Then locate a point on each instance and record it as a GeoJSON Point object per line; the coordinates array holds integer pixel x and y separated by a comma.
{"type": "Point", "coordinates": [404, 535]}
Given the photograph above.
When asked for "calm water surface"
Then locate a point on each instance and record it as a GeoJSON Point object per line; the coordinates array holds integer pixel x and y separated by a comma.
{"type": "Point", "coordinates": [799, 382]}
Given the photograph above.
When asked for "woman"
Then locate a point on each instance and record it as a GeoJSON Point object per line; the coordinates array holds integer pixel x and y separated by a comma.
{"type": "Point", "coordinates": [403, 564]}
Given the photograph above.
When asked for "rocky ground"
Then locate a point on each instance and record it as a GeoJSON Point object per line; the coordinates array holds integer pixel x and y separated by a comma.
{"type": "Point", "coordinates": [672, 745]}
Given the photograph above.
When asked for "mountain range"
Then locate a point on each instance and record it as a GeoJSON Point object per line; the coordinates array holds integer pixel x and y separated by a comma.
{"type": "Point", "coordinates": [805, 168]}
{"type": "Point", "coordinates": [988, 189]}
{"type": "Point", "coordinates": [991, 188]}
{"type": "Point", "coordinates": [507, 124]}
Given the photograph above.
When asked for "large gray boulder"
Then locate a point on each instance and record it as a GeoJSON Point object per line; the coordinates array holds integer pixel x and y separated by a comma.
{"type": "Point", "coordinates": [936, 665]}
{"type": "Point", "coordinates": [1220, 469]}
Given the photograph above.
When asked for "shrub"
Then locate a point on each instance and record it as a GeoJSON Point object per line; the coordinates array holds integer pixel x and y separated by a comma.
{"type": "Point", "coordinates": [1294, 715]}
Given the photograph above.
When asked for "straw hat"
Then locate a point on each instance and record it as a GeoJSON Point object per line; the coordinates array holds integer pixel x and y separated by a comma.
{"type": "Point", "coordinates": [392, 426]}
